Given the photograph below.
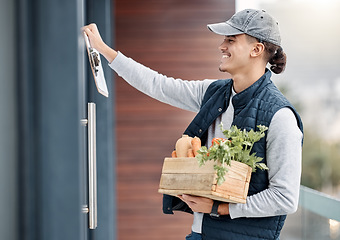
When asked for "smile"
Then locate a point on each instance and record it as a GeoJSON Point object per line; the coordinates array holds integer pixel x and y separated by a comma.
{"type": "Point", "coordinates": [226, 55]}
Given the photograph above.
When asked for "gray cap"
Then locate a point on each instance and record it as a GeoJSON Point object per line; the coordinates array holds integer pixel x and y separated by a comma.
{"type": "Point", "coordinates": [256, 23]}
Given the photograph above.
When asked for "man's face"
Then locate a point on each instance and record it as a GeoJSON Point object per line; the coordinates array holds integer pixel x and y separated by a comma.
{"type": "Point", "coordinates": [235, 54]}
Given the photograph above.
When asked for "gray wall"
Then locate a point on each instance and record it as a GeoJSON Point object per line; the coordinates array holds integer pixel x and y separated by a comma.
{"type": "Point", "coordinates": [8, 118]}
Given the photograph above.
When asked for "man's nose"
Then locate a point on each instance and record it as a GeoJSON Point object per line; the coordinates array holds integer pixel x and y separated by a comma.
{"type": "Point", "coordinates": [223, 46]}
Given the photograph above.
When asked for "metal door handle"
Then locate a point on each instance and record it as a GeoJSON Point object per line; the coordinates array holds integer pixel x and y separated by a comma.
{"type": "Point", "coordinates": [92, 165]}
{"type": "Point", "coordinates": [91, 209]}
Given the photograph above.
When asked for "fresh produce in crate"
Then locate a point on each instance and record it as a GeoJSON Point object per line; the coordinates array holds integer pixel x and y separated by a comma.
{"type": "Point", "coordinates": [235, 147]}
{"type": "Point", "coordinates": [221, 172]}
{"type": "Point", "coordinates": [186, 147]}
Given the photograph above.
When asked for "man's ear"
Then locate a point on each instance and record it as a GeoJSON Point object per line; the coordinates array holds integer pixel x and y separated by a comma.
{"type": "Point", "coordinates": [257, 50]}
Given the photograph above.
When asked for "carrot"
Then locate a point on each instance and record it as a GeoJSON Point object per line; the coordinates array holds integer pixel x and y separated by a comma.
{"type": "Point", "coordinates": [196, 145]}
{"type": "Point", "coordinates": [173, 154]}
{"type": "Point", "coordinates": [217, 140]}
{"type": "Point", "coordinates": [190, 153]}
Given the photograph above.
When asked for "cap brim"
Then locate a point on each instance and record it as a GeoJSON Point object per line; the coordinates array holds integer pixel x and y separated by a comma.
{"type": "Point", "coordinates": [224, 29]}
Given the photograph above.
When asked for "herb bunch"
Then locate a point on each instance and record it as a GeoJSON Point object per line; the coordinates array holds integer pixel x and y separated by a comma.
{"type": "Point", "coordinates": [237, 146]}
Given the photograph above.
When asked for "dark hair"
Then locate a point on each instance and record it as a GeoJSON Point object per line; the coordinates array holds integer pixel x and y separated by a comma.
{"type": "Point", "coordinates": [276, 57]}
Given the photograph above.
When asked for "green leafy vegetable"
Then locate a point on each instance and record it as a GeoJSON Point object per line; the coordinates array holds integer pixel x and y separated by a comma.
{"type": "Point", "coordinates": [237, 146]}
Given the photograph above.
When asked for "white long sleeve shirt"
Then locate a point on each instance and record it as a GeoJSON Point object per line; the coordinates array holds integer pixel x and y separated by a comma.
{"type": "Point", "coordinates": [283, 139]}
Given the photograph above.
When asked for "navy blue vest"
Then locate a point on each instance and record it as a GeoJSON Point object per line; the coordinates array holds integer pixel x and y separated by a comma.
{"type": "Point", "coordinates": [254, 106]}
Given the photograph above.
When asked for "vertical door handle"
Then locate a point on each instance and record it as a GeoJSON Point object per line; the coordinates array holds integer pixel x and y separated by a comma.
{"type": "Point", "coordinates": [92, 165]}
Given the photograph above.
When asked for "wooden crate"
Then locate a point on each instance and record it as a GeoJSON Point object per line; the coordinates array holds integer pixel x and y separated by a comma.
{"type": "Point", "coordinates": [185, 176]}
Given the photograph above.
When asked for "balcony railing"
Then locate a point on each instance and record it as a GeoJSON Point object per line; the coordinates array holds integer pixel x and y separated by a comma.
{"type": "Point", "coordinates": [318, 217]}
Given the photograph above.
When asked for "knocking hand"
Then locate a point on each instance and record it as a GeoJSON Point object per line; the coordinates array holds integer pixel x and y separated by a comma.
{"type": "Point", "coordinates": [97, 42]}
{"type": "Point", "coordinates": [95, 39]}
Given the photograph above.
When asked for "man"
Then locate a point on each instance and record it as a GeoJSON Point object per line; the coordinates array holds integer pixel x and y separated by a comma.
{"type": "Point", "coordinates": [249, 98]}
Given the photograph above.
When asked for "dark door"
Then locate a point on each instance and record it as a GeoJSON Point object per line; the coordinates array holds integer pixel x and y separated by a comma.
{"type": "Point", "coordinates": [55, 88]}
